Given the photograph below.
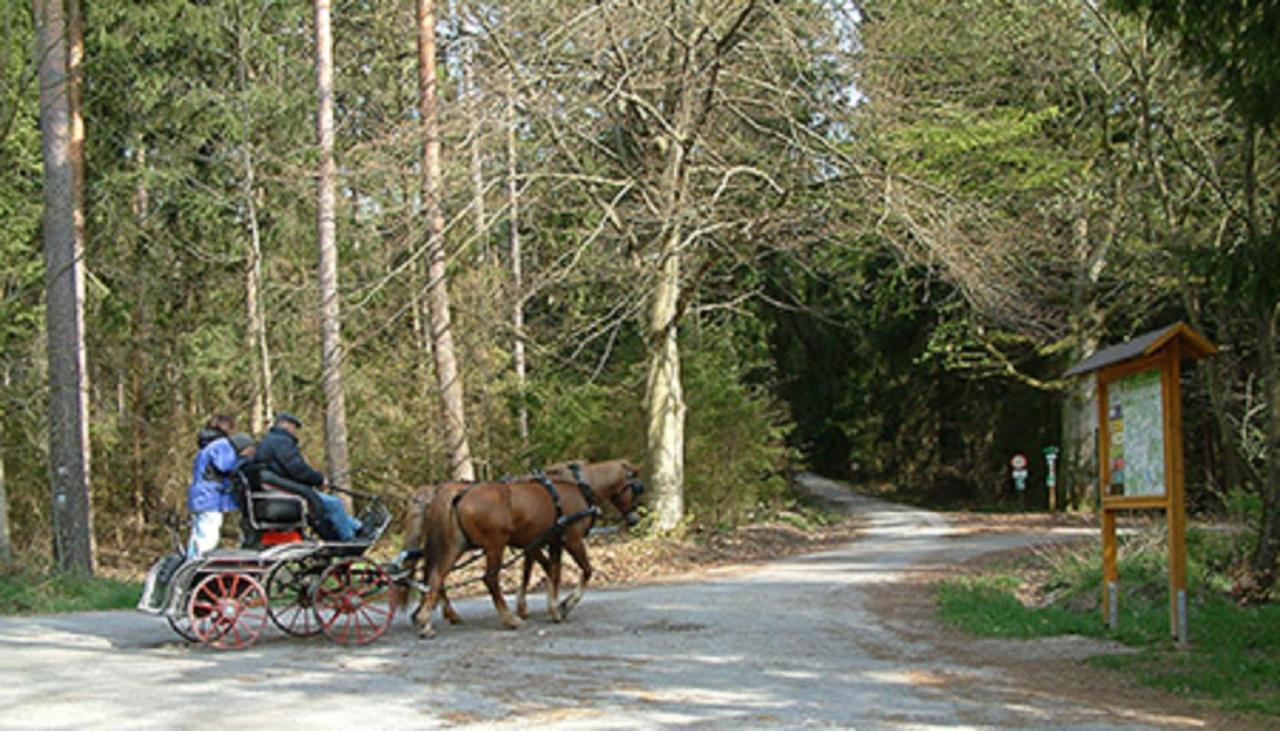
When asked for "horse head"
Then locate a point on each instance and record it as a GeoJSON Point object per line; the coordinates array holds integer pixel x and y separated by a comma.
{"type": "Point", "coordinates": [615, 481]}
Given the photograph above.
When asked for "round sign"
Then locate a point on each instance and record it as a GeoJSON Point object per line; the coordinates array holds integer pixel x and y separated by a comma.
{"type": "Point", "coordinates": [1019, 461]}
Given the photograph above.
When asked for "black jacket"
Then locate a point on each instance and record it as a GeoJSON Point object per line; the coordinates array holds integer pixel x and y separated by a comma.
{"type": "Point", "coordinates": [278, 452]}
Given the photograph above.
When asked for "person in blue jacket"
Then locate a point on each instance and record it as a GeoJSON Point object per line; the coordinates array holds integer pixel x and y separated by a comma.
{"type": "Point", "coordinates": [210, 493]}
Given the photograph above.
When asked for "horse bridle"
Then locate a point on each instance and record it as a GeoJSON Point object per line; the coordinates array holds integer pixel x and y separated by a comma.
{"type": "Point", "coordinates": [633, 483]}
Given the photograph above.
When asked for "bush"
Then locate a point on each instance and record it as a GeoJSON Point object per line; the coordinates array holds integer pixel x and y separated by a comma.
{"type": "Point", "coordinates": [25, 590]}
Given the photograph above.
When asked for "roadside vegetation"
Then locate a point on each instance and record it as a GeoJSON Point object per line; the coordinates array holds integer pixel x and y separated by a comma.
{"type": "Point", "coordinates": [36, 590]}
{"type": "Point", "coordinates": [1233, 661]}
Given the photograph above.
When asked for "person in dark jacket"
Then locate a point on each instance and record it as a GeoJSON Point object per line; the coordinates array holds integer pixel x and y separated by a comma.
{"type": "Point", "coordinates": [278, 457]}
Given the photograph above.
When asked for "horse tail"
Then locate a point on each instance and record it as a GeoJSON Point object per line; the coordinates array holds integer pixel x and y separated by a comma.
{"type": "Point", "coordinates": [442, 526]}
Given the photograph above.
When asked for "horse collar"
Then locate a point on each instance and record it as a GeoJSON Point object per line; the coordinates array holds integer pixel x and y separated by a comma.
{"type": "Point", "coordinates": [587, 493]}
{"type": "Point", "coordinates": [541, 479]}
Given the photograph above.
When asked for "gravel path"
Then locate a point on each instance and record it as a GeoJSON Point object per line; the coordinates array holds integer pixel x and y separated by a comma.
{"type": "Point", "coordinates": [795, 643]}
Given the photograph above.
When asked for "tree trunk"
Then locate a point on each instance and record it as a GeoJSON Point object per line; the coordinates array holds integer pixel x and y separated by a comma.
{"type": "Point", "coordinates": [1078, 471]}
{"type": "Point", "coordinates": [666, 407]}
{"type": "Point", "coordinates": [1268, 550]}
{"type": "Point", "coordinates": [1268, 317]}
{"type": "Point", "coordinates": [474, 130]}
{"type": "Point", "coordinates": [517, 270]}
{"type": "Point", "coordinates": [441, 334]}
{"type": "Point", "coordinates": [5, 553]}
{"type": "Point", "coordinates": [137, 352]}
{"type": "Point", "coordinates": [335, 414]}
{"type": "Point", "coordinates": [665, 392]}
{"type": "Point", "coordinates": [256, 330]}
{"type": "Point", "coordinates": [62, 136]}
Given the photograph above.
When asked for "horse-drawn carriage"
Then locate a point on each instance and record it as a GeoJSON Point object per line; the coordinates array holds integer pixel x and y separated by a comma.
{"type": "Point", "coordinates": [225, 598]}
{"type": "Point", "coordinates": [306, 587]}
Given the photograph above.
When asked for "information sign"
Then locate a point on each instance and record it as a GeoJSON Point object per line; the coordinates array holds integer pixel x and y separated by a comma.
{"type": "Point", "coordinates": [1136, 427]}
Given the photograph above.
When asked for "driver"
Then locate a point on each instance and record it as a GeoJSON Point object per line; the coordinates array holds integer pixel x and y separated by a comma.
{"type": "Point", "coordinates": [281, 464]}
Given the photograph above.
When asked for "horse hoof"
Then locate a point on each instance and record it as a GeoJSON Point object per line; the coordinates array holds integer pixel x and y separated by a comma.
{"type": "Point", "coordinates": [514, 623]}
{"type": "Point", "coordinates": [455, 619]}
{"type": "Point", "coordinates": [426, 633]}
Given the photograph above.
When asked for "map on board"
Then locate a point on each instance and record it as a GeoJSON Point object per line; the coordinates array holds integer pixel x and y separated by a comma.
{"type": "Point", "coordinates": [1136, 422]}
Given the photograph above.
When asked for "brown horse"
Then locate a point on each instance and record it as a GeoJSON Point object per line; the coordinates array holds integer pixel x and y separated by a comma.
{"type": "Point", "coordinates": [604, 475]}
{"type": "Point", "coordinates": [522, 514]}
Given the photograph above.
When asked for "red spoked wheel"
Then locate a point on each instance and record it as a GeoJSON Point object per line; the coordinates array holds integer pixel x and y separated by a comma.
{"type": "Point", "coordinates": [290, 586]}
{"type": "Point", "coordinates": [182, 625]}
{"type": "Point", "coordinates": [353, 602]}
{"type": "Point", "coordinates": [228, 610]}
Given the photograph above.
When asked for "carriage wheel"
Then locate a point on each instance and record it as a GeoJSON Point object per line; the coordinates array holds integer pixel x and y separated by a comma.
{"type": "Point", "coordinates": [181, 624]}
{"type": "Point", "coordinates": [228, 610]}
{"type": "Point", "coordinates": [353, 602]}
{"type": "Point", "coordinates": [289, 588]}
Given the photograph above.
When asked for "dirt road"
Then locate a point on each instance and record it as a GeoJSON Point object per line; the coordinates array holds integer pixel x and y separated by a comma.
{"type": "Point", "coordinates": [811, 641]}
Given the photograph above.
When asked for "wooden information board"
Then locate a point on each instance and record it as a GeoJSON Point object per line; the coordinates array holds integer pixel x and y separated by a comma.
{"type": "Point", "coordinates": [1140, 448]}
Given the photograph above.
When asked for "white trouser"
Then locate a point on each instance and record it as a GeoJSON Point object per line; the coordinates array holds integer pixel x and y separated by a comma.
{"type": "Point", "coordinates": [206, 527]}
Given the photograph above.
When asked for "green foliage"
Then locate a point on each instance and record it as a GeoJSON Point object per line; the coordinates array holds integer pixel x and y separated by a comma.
{"type": "Point", "coordinates": [991, 153]}
{"type": "Point", "coordinates": [735, 448]}
{"type": "Point", "coordinates": [1234, 658]}
{"type": "Point", "coordinates": [1234, 40]}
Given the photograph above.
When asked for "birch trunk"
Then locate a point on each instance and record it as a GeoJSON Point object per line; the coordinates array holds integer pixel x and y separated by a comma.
{"type": "Point", "coordinates": [256, 330]}
{"type": "Point", "coordinates": [666, 406]}
{"type": "Point", "coordinates": [665, 391]}
{"type": "Point", "coordinates": [63, 226]}
{"type": "Point", "coordinates": [517, 269]}
{"type": "Point", "coordinates": [335, 416]}
{"type": "Point", "coordinates": [438, 319]}
{"type": "Point", "coordinates": [475, 129]}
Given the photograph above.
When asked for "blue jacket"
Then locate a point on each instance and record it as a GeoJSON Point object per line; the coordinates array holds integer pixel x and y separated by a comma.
{"type": "Point", "coordinates": [210, 478]}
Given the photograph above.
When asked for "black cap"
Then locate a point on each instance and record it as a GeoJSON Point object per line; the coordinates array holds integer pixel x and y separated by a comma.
{"type": "Point", "coordinates": [240, 441]}
{"type": "Point", "coordinates": [286, 416]}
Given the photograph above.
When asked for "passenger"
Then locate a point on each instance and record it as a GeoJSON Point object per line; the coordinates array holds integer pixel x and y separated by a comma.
{"type": "Point", "coordinates": [278, 457]}
{"type": "Point", "coordinates": [210, 493]}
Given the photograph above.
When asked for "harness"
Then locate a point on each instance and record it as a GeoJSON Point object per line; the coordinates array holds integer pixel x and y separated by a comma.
{"type": "Point", "coordinates": [564, 521]}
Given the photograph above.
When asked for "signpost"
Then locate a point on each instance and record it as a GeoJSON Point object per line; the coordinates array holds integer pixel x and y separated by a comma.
{"type": "Point", "coordinates": [1140, 448]}
{"type": "Point", "coordinates": [1051, 476]}
{"type": "Point", "coordinates": [1019, 465]}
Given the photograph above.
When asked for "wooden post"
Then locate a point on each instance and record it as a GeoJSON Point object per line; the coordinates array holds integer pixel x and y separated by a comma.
{"type": "Point", "coordinates": [1176, 508]}
{"type": "Point", "coordinates": [1110, 571]}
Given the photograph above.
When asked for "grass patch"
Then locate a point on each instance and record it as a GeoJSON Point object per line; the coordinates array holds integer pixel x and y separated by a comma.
{"type": "Point", "coordinates": [1234, 658]}
{"type": "Point", "coordinates": [23, 591]}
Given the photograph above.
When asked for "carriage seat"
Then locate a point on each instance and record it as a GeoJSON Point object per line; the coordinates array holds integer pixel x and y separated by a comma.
{"type": "Point", "coordinates": [267, 507]}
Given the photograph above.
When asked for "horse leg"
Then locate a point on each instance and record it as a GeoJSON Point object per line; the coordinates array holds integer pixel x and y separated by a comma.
{"type": "Point", "coordinates": [552, 568]}
{"type": "Point", "coordinates": [578, 550]}
{"type": "Point", "coordinates": [493, 564]}
{"type": "Point", "coordinates": [435, 585]}
{"type": "Point", "coordinates": [446, 608]}
{"type": "Point", "coordinates": [526, 572]}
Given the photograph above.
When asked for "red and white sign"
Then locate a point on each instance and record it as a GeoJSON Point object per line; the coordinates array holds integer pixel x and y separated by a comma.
{"type": "Point", "coordinates": [1019, 461]}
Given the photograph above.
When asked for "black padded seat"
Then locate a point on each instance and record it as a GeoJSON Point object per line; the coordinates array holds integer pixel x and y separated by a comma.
{"type": "Point", "coordinates": [277, 508]}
